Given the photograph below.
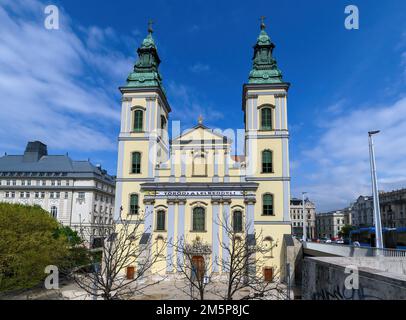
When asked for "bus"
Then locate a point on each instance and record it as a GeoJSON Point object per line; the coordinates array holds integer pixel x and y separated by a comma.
{"type": "Point", "coordinates": [366, 237]}
{"type": "Point", "coordinates": [401, 238]}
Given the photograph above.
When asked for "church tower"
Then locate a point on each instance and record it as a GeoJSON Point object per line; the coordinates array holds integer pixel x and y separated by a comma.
{"type": "Point", "coordinates": [267, 139]}
{"type": "Point", "coordinates": [143, 139]}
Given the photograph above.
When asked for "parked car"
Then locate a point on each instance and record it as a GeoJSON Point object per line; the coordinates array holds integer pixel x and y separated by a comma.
{"type": "Point", "coordinates": [339, 241]}
{"type": "Point", "coordinates": [328, 241]}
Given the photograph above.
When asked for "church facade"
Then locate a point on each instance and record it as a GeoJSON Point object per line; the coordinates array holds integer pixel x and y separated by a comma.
{"type": "Point", "coordinates": [185, 185]}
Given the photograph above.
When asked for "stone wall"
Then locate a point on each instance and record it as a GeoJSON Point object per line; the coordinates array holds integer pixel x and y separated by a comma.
{"type": "Point", "coordinates": [379, 278]}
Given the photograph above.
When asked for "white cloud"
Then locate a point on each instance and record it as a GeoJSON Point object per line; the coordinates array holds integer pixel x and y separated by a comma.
{"type": "Point", "coordinates": [200, 68]}
{"type": "Point", "coordinates": [55, 85]}
{"type": "Point", "coordinates": [340, 157]}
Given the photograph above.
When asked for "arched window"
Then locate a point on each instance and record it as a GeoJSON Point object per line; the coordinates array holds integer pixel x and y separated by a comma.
{"type": "Point", "coordinates": [54, 212]}
{"type": "Point", "coordinates": [160, 220]}
{"type": "Point", "coordinates": [198, 219]}
{"type": "Point", "coordinates": [266, 118]}
{"type": "Point", "coordinates": [134, 204]}
{"type": "Point", "coordinates": [136, 162]}
{"type": "Point", "coordinates": [267, 205]}
{"type": "Point", "coordinates": [138, 120]}
{"type": "Point", "coordinates": [267, 166]}
{"type": "Point", "coordinates": [237, 221]}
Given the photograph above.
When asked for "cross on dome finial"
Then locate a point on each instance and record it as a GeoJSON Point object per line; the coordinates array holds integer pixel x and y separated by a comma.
{"type": "Point", "coordinates": [200, 120]}
{"type": "Point", "coordinates": [262, 18]}
{"type": "Point", "coordinates": [150, 23]}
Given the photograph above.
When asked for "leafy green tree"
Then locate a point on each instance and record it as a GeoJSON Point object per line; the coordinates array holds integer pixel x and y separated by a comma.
{"type": "Point", "coordinates": [345, 231]}
{"type": "Point", "coordinates": [72, 236]}
{"type": "Point", "coordinates": [29, 241]}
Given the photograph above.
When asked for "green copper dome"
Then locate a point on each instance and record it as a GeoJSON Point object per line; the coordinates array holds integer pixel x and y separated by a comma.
{"type": "Point", "coordinates": [264, 69]}
{"type": "Point", "coordinates": [146, 73]}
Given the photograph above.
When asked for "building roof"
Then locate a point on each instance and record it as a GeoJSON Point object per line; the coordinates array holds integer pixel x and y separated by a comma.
{"type": "Point", "coordinates": [35, 162]}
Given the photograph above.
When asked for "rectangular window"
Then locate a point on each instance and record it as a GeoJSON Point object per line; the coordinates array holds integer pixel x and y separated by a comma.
{"type": "Point", "coordinates": [42, 195]}
{"type": "Point", "coordinates": [7, 194]}
{"type": "Point", "coordinates": [160, 223]}
{"type": "Point", "coordinates": [237, 221]}
{"type": "Point", "coordinates": [198, 219]}
{"type": "Point", "coordinates": [81, 195]}
{"type": "Point", "coordinates": [44, 183]}
{"type": "Point", "coordinates": [267, 161]}
{"type": "Point", "coordinates": [13, 194]}
{"type": "Point", "coordinates": [266, 119]}
{"type": "Point", "coordinates": [66, 195]}
{"type": "Point", "coordinates": [8, 182]}
{"type": "Point", "coordinates": [51, 195]}
{"type": "Point", "coordinates": [21, 194]}
{"type": "Point", "coordinates": [59, 182]}
{"type": "Point", "coordinates": [136, 163]}
{"type": "Point", "coordinates": [57, 195]}
{"type": "Point", "coordinates": [36, 195]}
{"type": "Point", "coordinates": [27, 194]}
{"type": "Point", "coordinates": [267, 205]}
{"type": "Point", "coordinates": [134, 204]}
{"type": "Point", "coordinates": [138, 119]}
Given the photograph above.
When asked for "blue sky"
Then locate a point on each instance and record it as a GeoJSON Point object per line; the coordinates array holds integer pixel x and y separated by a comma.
{"type": "Point", "coordinates": [60, 86]}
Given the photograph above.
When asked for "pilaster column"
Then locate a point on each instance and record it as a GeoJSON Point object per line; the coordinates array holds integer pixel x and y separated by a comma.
{"type": "Point", "coordinates": [171, 227]}
{"type": "Point", "coordinates": [215, 233]}
{"type": "Point", "coordinates": [277, 119]}
{"type": "Point", "coordinates": [181, 229]}
{"type": "Point", "coordinates": [250, 210]}
{"type": "Point", "coordinates": [216, 168]}
{"type": "Point", "coordinates": [225, 218]}
{"type": "Point", "coordinates": [183, 166]}
{"type": "Point", "coordinates": [119, 185]}
{"type": "Point", "coordinates": [226, 165]}
{"type": "Point", "coordinates": [126, 114]}
{"type": "Point", "coordinates": [280, 112]}
{"type": "Point", "coordinates": [148, 215]}
{"type": "Point", "coordinates": [172, 155]}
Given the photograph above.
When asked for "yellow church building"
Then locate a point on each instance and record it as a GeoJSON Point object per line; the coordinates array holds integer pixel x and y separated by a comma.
{"type": "Point", "coordinates": [186, 184]}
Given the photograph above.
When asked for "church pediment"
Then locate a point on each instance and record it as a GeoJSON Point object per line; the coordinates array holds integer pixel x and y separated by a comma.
{"type": "Point", "coordinates": [200, 135]}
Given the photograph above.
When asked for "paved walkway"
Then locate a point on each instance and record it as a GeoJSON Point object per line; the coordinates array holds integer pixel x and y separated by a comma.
{"type": "Point", "coordinates": [165, 290]}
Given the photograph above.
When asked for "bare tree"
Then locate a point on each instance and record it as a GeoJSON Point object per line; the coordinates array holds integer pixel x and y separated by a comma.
{"type": "Point", "coordinates": [244, 258]}
{"type": "Point", "coordinates": [129, 249]}
{"type": "Point", "coordinates": [194, 266]}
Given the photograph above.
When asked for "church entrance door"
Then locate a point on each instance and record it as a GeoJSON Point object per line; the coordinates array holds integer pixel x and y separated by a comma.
{"type": "Point", "coordinates": [198, 267]}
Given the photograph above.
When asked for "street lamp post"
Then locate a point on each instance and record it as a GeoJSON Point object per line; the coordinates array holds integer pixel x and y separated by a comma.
{"type": "Point", "coordinates": [377, 211]}
{"type": "Point", "coordinates": [304, 217]}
